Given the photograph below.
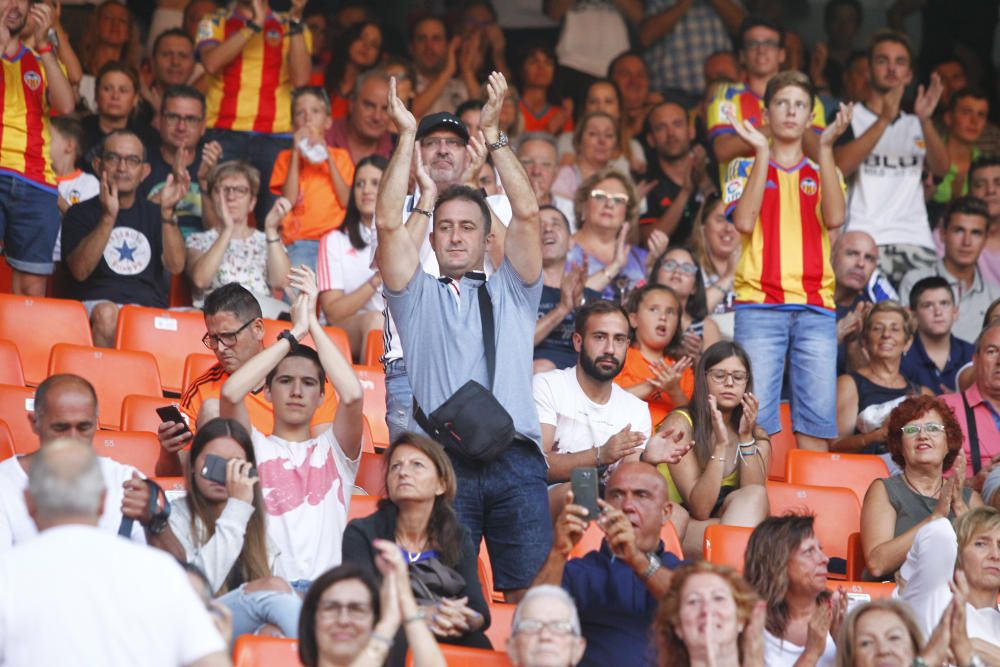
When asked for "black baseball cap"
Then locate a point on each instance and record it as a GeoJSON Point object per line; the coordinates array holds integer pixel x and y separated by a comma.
{"type": "Point", "coordinates": [442, 121]}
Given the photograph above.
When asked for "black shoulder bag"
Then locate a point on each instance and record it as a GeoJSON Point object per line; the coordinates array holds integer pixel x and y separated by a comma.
{"type": "Point", "coordinates": [472, 424]}
{"type": "Point", "coordinates": [970, 420]}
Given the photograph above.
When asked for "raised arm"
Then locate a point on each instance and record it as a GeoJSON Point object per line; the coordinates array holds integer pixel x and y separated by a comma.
{"type": "Point", "coordinates": [852, 154]}
{"type": "Point", "coordinates": [60, 92]}
{"type": "Point", "coordinates": [397, 256]}
{"type": "Point", "coordinates": [748, 207]}
{"type": "Point", "coordinates": [278, 263]}
{"type": "Point", "coordinates": [299, 60]}
{"type": "Point", "coordinates": [215, 58]}
{"type": "Point", "coordinates": [85, 257]}
{"type": "Point", "coordinates": [927, 99]}
{"type": "Point", "coordinates": [654, 26]}
{"type": "Point", "coordinates": [523, 245]}
{"type": "Point", "coordinates": [832, 203]}
{"type": "Point", "coordinates": [176, 187]}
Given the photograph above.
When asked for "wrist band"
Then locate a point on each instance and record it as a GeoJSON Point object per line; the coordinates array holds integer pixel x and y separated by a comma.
{"type": "Point", "coordinates": [748, 443]}
{"type": "Point", "coordinates": [423, 211]}
{"type": "Point", "coordinates": [597, 457]}
{"type": "Point", "coordinates": [277, 239]}
{"type": "Point", "coordinates": [42, 50]}
{"type": "Point", "coordinates": [378, 636]}
{"type": "Point", "coordinates": [295, 27]}
{"type": "Point", "coordinates": [293, 342]}
{"type": "Point", "coordinates": [253, 26]}
{"type": "Point", "coordinates": [419, 616]}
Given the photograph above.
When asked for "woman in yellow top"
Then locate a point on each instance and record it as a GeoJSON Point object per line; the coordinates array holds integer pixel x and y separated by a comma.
{"type": "Point", "coordinates": [721, 479]}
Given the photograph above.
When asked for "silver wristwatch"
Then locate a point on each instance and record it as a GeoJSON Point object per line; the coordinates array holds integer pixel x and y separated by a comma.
{"type": "Point", "coordinates": [655, 564]}
{"type": "Point", "coordinates": [501, 141]}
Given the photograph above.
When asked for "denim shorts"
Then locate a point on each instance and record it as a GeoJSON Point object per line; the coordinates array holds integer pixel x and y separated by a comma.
{"type": "Point", "coordinates": [29, 224]}
{"type": "Point", "coordinates": [809, 340]}
{"type": "Point", "coordinates": [507, 502]}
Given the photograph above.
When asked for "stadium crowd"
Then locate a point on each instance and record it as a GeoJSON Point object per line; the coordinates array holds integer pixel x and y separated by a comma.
{"type": "Point", "coordinates": [563, 332]}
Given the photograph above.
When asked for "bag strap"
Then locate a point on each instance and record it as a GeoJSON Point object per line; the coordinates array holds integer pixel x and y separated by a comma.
{"type": "Point", "coordinates": [156, 513]}
{"type": "Point", "coordinates": [489, 333]}
{"type": "Point", "coordinates": [970, 421]}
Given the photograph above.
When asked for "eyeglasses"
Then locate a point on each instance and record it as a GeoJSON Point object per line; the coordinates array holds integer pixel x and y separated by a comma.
{"type": "Point", "coordinates": [528, 163]}
{"type": "Point", "coordinates": [437, 142]}
{"type": "Point", "coordinates": [932, 428]}
{"type": "Point", "coordinates": [114, 159]}
{"type": "Point", "coordinates": [238, 190]}
{"type": "Point", "coordinates": [356, 611]}
{"type": "Point", "coordinates": [765, 44]}
{"type": "Point", "coordinates": [530, 626]}
{"type": "Point", "coordinates": [683, 267]}
{"type": "Point", "coordinates": [176, 118]}
{"type": "Point", "coordinates": [719, 376]}
{"type": "Point", "coordinates": [607, 197]}
{"type": "Point", "coordinates": [213, 341]}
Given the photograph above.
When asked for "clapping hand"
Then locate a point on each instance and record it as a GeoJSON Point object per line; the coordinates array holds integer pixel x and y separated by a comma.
{"type": "Point", "coordinates": [746, 131]}
{"type": "Point", "coordinates": [749, 419]}
{"type": "Point", "coordinates": [838, 126]}
{"type": "Point", "coordinates": [398, 113]}
{"type": "Point", "coordinates": [667, 446]}
{"type": "Point", "coordinates": [928, 98]}
{"type": "Point", "coordinates": [489, 117]}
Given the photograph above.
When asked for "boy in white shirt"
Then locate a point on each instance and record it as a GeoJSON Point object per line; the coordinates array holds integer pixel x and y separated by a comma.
{"type": "Point", "coordinates": [74, 184]}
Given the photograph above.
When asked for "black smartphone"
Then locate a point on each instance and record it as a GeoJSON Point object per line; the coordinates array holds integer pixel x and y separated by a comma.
{"type": "Point", "coordinates": [584, 483]}
{"type": "Point", "coordinates": [170, 413]}
{"type": "Point", "coordinates": [215, 469]}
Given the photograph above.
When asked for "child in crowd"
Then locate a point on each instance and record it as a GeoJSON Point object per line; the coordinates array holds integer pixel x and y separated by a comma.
{"type": "Point", "coordinates": [649, 372]}
{"type": "Point", "coordinates": [74, 184]}
{"type": "Point", "coordinates": [313, 176]}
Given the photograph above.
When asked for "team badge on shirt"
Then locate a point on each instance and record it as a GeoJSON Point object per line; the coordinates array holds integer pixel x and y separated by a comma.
{"type": "Point", "coordinates": [272, 37]}
{"type": "Point", "coordinates": [734, 190]}
{"type": "Point", "coordinates": [32, 80]}
{"type": "Point", "coordinates": [808, 186]}
{"type": "Point", "coordinates": [128, 252]}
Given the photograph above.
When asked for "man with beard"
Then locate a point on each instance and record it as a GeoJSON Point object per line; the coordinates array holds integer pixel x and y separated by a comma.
{"type": "Point", "coordinates": [589, 421]}
{"type": "Point", "coordinates": [672, 203]}
{"type": "Point", "coordinates": [35, 88]}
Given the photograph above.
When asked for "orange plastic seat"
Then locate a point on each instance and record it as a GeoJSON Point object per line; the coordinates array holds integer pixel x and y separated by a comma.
{"type": "Point", "coordinates": [339, 337]}
{"type": "Point", "coordinates": [115, 374]}
{"type": "Point", "coordinates": [362, 506]}
{"type": "Point", "coordinates": [485, 574]}
{"type": "Point", "coordinates": [136, 449]}
{"type": "Point", "coordinates": [16, 407]}
{"type": "Point", "coordinates": [195, 366]}
{"type": "Point", "coordinates": [591, 540]}
{"type": "Point", "coordinates": [501, 617]}
{"type": "Point", "coordinates": [781, 444]}
{"type": "Point", "coordinates": [726, 545]}
{"type": "Point", "coordinates": [371, 474]}
{"type": "Point", "coordinates": [10, 364]}
{"type": "Point", "coordinates": [6, 441]}
{"type": "Point", "coordinates": [874, 589]}
{"type": "Point", "coordinates": [837, 512]}
{"type": "Point", "coordinates": [169, 335]}
{"type": "Point", "coordinates": [373, 382]}
{"type": "Point", "coordinates": [374, 348]}
{"type": "Point", "coordinates": [180, 291]}
{"type": "Point", "coordinates": [254, 651]}
{"type": "Point", "coordinates": [139, 412]}
{"type": "Point", "coordinates": [853, 471]}
{"type": "Point", "coordinates": [463, 656]}
{"type": "Point", "coordinates": [855, 558]}
{"type": "Point", "coordinates": [35, 324]}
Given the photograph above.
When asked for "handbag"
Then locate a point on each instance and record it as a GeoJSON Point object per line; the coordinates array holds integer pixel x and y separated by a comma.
{"type": "Point", "coordinates": [471, 424]}
{"type": "Point", "coordinates": [432, 580]}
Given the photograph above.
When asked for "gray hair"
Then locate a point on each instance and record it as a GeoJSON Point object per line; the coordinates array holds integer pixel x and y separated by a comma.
{"type": "Point", "coordinates": [374, 73]}
{"type": "Point", "coordinates": [65, 480]}
{"type": "Point", "coordinates": [992, 324]}
{"type": "Point", "coordinates": [550, 591]}
{"type": "Point", "coordinates": [537, 136]}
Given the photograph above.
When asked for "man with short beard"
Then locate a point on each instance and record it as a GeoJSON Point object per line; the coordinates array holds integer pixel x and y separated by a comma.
{"type": "Point", "coordinates": [672, 203]}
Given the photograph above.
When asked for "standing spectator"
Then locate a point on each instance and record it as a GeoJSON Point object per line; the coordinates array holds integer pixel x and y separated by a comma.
{"type": "Point", "coordinates": [350, 291]}
{"type": "Point", "coordinates": [357, 50]}
{"type": "Point", "coordinates": [172, 64]}
{"type": "Point", "coordinates": [595, 142]}
{"type": "Point", "coordinates": [110, 34]}
{"type": "Point", "coordinates": [787, 309]}
{"type": "Point", "coordinates": [118, 246]}
{"type": "Point", "coordinates": [75, 185]}
{"type": "Point", "coordinates": [964, 121]}
{"type": "Point", "coordinates": [538, 111]}
{"type": "Point", "coordinates": [312, 175]}
{"type": "Point", "coordinates": [964, 235]}
{"type": "Point", "coordinates": [254, 58]}
{"type": "Point", "coordinates": [365, 130]}
{"type": "Point", "coordinates": [538, 155]}
{"type": "Point", "coordinates": [117, 97]}
{"type": "Point", "coordinates": [628, 71]}
{"type": "Point", "coordinates": [884, 153]}
{"type": "Point", "coordinates": [545, 607]}
{"type": "Point", "coordinates": [437, 59]}
{"type": "Point", "coordinates": [44, 595]}
{"type": "Point", "coordinates": [490, 494]}
{"type": "Point", "coordinates": [29, 212]}
{"type": "Point", "coordinates": [936, 355]}
{"type": "Point", "coordinates": [984, 183]}
{"type": "Point", "coordinates": [679, 36]}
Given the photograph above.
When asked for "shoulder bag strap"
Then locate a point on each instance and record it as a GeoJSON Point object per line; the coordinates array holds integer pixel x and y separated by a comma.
{"type": "Point", "coordinates": [973, 432]}
{"type": "Point", "coordinates": [489, 333]}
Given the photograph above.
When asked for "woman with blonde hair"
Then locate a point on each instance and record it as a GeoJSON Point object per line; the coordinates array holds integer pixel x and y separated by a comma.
{"type": "Point", "coordinates": [595, 141]}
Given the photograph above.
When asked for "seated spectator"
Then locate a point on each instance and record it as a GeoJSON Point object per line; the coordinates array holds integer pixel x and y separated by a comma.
{"type": "Point", "coordinates": [308, 533]}
{"type": "Point", "coordinates": [537, 153]}
{"type": "Point", "coordinates": [365, 129]}
{"type": "Point", "coordinates": [402, 70]}
{"type": "Point", "coordinates": [595, 141]}
{"type": "Point", "coordinates": [172, 64]}
{"type": "Point", "coordinates": [650, 371]}
{"type": "Point", "coordinates": [117, 98]}
{"type": "Point", "coordinates": [678, 269]}
{"type": "Point", "coordinates": [964, 122]}
{"type": "Point", "coordinates": [716, 249]}
{"type": "Point", "coordinates": [964, 234]}
{"type": "Point", "coordinates": [437, 58]}
{"type": "Point", "coordinates": [963, 552]}
{"type": "Point", "coordinates": [110, 35]}
{"type": "Point", "coordinates": [786, 565]}
{"type": "Point", "coordinates": [629, 72]}
{"type": "Point", "coordinates": [617, 588]}
{"type": "Point", "coordinates": [854, 259]}
{"type": "Point", "coordinates": [603, 95]}
{"type": "Point", "coordinates": [866, 396]}
{"type": "Point", "coordinates": [220, 529]}
{"type": "Point", "coordinates": [936, 355]}
{"type": "Point", "coordinates": [606, 210]}
{"type": "Point", "coordinates": [313, 176]}
{"type": "Point", "coordinates": [118, 246]}
{"type": "Point", "coordinates": [721, 479]}
{"type": "Point", "coordinates": [984, 183]}
{"type": "Point", "coordinates": [563, 292]}
{"type": "Point", "coordinates": [233, 250]}
{"type": "Point", "coordinates": [346, 620]}
{"type": "Point", "coordinates": [356, 51]}
{"type": "Point", "coordinates": [417, 519]}
{"type": "Point", "coordinates": [924, 440]}
{"type": "Point", "coordinates": [537, 106]}
{"type": "Point", "coordinates": [700, 594]}
{"type": "Point", "coordinates": [74, 184]}
{"type": "Point", "coordinates": [543, 608]}
{"type": "Point", "coordinates": [350, 290]}
{"type": "Point", "coordinates": [954, 80]}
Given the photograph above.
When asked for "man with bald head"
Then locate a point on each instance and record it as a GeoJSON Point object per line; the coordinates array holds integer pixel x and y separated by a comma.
{"type": "Point", "coordinates": [618, 587]}
{"type": "Point", "coordinates": [87, 588]}
{"type": "Point", "coordinates": [65, 408]}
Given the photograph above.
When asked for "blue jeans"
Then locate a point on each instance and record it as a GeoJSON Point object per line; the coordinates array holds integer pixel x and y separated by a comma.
{"type": "Point", "coordinates": [398, 398]}
{"type": "Point", "coordinates": [260, 150]}
{"type": "Point", "coordinates": [252, 610]}
{"type": "Point", "coordinates": [29, 223]}
{"type": "Point", "coordinates": [809, 339]}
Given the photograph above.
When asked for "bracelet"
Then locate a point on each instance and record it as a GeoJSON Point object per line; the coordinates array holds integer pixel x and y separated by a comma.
{"type": "Point", "coordinates": [42, 50]}
{"type": "Point", "coordinates": [295, 27]}
{"type": "Point", "coordinates": [920, 662]}
{"type": "Point", "coordinates": [597, 457]}
{"type": "Point", "coordinates": [382, 638]}
{"type": "Point", "coordinates": [712, 457]}
{"type": "Point", "coordinates": [748, 443]}
{"type": "Point", "coordinates": [274, 240]}
{"type": "Point", "coordinates": [422, 211]}
{"type": "Point", "coordinates": [419, 616]}
{"type": "Point", "coordinates": [172, 221]}
{"type": "Point", "coordinates": [293, 342]}
{"type": "Point", "coordinates": [253, 26]}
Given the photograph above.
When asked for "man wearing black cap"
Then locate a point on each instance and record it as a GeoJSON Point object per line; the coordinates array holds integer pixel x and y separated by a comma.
{"type": "Point", "coordinates": [365, 130]}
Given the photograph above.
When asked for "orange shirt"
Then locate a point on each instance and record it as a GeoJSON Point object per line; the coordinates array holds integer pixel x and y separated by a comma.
{"type": "Point", "coordinates": [210, 384]}
{"type": "Point", "coordinates": [24, 120]}
{"type": "Point", "coordinates": [637, 370]}
{"type": "Point", "coordinates": [317, 210]}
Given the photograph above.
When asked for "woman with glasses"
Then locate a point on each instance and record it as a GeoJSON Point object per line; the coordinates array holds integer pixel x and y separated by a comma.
{"type": "Point", "coordinates": [595, 141]}
{"type": "Point", "coordinates": [924, 440]}
{"type": "Point", "coordinates": [607, 211]}
{"type": "Point", "coordinates": [678, 270]}
{"type": "Point", "coordinates": [721, 479]}
{"type": "Point", "coordinates": [232, 250]}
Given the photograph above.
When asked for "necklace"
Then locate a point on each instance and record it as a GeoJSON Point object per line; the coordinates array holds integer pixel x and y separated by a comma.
{"type": "Point", "coordinates": [411, 554]}
{"type": "Point", "coordinates": [918, 491]}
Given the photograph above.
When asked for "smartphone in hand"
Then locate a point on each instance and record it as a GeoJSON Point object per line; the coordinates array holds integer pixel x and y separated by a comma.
{"type": "Point", "coordinates": [170, 413]}
{"type": "Point", "coordinates": [584, 484]}
{"type": "Point", "coordinates": [215, 469]}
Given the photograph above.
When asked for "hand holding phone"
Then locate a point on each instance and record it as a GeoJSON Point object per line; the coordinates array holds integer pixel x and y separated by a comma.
{"type": "Point", "coordinates": [584, 485]}
{"type": "Point", "coordinates": [215, 468]}
{"type": "Point", "coordinates": [170, 413]}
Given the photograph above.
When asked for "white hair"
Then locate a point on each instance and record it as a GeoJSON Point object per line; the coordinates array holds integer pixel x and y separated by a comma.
{"type": "Point", "coordinates": [65, 480]}
{"type": "Point", "coordinates": [550, 591]}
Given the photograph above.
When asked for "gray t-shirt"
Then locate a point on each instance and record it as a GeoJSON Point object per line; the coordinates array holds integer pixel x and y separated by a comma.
{"type": "Point", "coordinates": [442, 338]}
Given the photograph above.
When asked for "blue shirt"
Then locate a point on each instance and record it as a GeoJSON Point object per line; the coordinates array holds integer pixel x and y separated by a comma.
{"type": "Point", "coordinates": [616, 609]}
{"type": "Point", "coordinates": [920, 369]}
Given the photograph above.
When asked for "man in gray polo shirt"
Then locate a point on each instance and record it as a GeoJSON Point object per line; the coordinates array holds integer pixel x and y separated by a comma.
{"type": "Point", "coordinates": [439, 326]}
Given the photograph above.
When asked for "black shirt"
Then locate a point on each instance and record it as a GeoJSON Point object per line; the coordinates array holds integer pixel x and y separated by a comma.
{"type": "Point", "coordinates": [659, 200]}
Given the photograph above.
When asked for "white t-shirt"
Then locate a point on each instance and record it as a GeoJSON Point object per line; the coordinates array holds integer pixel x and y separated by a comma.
{"type": "Point", "coordinates": [307, 490]}
{"type": "Point", "coordinates": [16, 525]}
{"type": "Point", "coordinates": [75, 187]}
{"type": "Point", "coordinates": [778, 653]}
{"type": "Point", "coordinates": [79, 596]}
{"type": "Point", "coordinates": [341, 266]}
{"type": "Point", "coordinates": [886, 196]}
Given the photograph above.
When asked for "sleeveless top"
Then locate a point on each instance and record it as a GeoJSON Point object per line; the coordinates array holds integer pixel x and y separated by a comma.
{"type": "Point", "coordinates": [870, 393]}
